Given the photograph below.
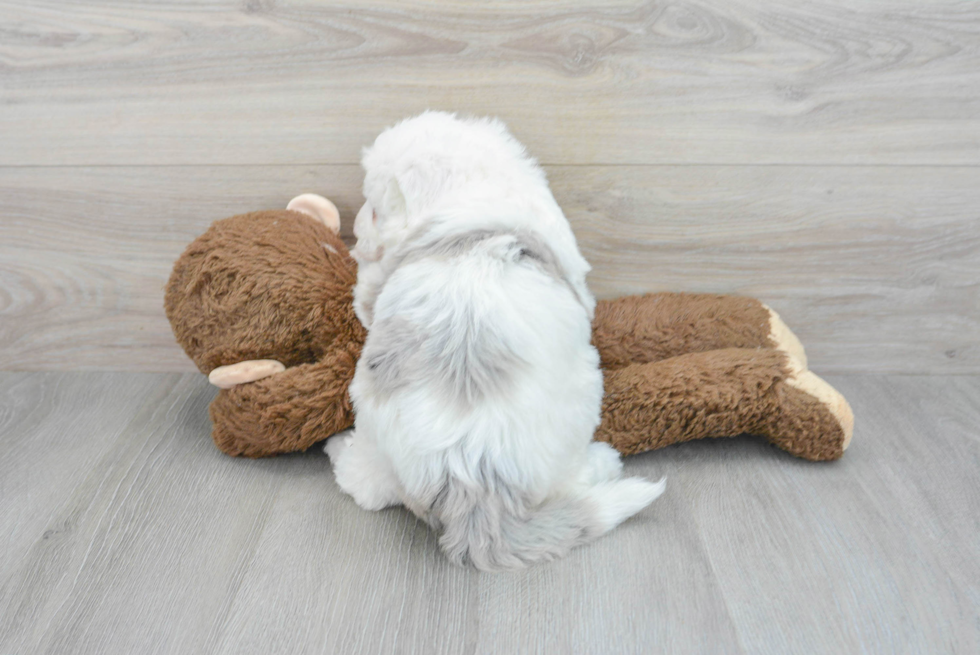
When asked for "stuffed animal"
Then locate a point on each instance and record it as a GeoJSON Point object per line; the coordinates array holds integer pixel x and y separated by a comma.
{"type": "Point", "coordinates": [262, 303]}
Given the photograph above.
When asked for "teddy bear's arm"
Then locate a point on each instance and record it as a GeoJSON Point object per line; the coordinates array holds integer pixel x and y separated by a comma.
{"type": "Point", "coordinates": [288, 411]}
{"type": "Point", "coordinates": [226, 377]}
{"type": "Point", "coordinates": [724, 393]}
{"type": "Point", "coordinates": [657, 326]}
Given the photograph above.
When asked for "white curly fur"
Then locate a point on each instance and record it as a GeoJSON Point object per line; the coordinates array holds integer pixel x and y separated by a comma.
{"type": "Point", "coordinates": [478, 390]}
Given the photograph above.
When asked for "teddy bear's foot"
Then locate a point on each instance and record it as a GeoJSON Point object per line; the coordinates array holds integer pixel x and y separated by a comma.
{"type": "Point", "coordinates": [835, 403]}
{"type": "Point", "coordinates": [226, 377]}
{"type": "Point", "coordinates": [809, 418]}
{"type": "Point", "coordinates": [782, 337]}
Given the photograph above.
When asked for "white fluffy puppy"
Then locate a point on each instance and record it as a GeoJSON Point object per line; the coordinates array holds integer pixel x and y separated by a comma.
{"type": "Point", "coordinates": [478, 389]}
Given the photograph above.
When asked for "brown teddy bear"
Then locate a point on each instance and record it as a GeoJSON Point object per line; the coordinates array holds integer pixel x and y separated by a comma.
{"type": "Point", "coordinates": [262, 303]}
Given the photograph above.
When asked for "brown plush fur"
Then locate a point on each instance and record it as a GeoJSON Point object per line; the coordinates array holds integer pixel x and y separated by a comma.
{"type": "Point", "coordinates": [263, 285]}
{"type": "Point", "coordinates": [716, 393]}
{"type": "Point", "coordinates": [270, 285]}
{"type": "Point", "coordinates": [278, 285]}
{"type": "Point", "coordinates": [654, 327]}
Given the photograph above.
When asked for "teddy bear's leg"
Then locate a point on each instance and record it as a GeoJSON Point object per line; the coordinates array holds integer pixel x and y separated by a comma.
{"type": "Point", "coordinates": [657, 326]}
{"type": "Point", "coordinates": [724, 393]}
{"type": "Point", "coordinates": [362, 471]}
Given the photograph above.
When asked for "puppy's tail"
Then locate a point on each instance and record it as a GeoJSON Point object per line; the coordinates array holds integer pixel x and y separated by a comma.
{"type": "Point", "coordinates": [492, 530]}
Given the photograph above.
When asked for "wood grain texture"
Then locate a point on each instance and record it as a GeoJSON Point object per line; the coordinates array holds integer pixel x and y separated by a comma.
{"type": "Point", "coordinates": [125, 530]}
{"type": "Point", "coordinates": [824, 156]}
{"type": "Point", "coordinates": [876, 268]}
{"type": "Point", "coordinates": [876, 535]}
{"type": "Point", "coordinates": [85, 254]}
{"type": "Point", "coordinates": [623, 82]}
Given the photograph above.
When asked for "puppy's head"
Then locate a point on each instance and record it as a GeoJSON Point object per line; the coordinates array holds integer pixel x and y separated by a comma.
{"type": "Point", "coordinates": [414, 165]}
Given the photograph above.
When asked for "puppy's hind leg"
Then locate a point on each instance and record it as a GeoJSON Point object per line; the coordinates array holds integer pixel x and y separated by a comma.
{"type": "Point", "coordinates": [362, 472]}
{"type": "Point", "coordinates": [603, 464]}
{"type": "Point", "coordinates": [336, 445]}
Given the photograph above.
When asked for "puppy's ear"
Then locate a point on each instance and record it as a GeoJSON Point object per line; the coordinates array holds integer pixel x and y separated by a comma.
{"type": "Point", "coordinates": [409, 192]}
{"type": "Point", "coordinates": [393, 201]}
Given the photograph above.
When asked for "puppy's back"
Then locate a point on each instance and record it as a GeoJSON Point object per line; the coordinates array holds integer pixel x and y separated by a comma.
{"type": "Point", "coordinates": [470, 314]}
{"type": "Point", "coordinates": [482, 388]}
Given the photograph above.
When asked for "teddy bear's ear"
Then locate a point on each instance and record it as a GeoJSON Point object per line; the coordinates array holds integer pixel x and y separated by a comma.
{"type": "Point", "coordinates": [319, 208]}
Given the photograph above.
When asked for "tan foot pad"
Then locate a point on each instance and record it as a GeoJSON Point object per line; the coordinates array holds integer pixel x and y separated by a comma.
{"type": "Point", "coordinates": [226, 377]}
{"type": "Point", "coordinates": [783, 338]}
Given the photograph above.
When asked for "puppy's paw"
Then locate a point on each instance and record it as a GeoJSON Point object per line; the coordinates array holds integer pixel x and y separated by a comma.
{"type": "Point", "coordinates": [338, 444]}
{"type": "Point", "coordinates": [604, 463]}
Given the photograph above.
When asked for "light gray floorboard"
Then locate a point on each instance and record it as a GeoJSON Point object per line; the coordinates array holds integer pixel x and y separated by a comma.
{"type": "Point", "coordinates": [125, 530]}
{"type": "Point", "coordinates": [581, 81]}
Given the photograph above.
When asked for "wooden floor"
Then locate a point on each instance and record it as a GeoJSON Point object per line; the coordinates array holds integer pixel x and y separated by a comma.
{"type": "Point", "coordinates": [124, 530]}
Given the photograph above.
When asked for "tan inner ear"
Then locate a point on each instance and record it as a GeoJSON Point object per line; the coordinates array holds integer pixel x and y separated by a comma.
{"type": "Point", "coordinates": [319, 208]}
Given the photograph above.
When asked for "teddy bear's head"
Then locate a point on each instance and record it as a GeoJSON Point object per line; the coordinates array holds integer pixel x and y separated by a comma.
{"type": "Point", "coordinates": [265, 285]}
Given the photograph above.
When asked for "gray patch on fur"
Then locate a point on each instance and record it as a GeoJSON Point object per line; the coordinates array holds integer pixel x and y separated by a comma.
{"type": "Point", "coordinates": [444, 248]}
{"type": "Point", "coordinates": [519, 246]}
{"type": "Point", "coordinates": [531, 248]}
{"type": "Point", "coordinates": [465, 357]}
{"type": "Point", "coordinates": [492, 526]}
{"type": "Point", "coordinates": [391, 353]}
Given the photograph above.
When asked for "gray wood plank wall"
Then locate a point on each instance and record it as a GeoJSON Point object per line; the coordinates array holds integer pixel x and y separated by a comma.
{"type": "Point", "coordinates": [824, 156]}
